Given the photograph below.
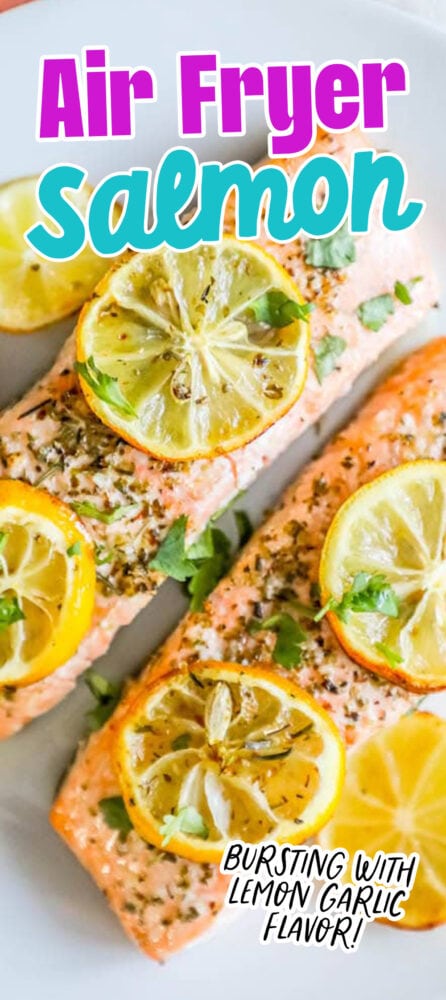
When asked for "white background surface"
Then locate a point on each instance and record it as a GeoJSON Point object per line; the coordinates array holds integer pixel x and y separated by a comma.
{"type": "Point", "coordinates": [433, 10]}
{"type": "Point", "coordinates": [57, 938]}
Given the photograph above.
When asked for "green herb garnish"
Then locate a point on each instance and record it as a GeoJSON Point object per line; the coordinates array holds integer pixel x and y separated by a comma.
{"type": "Point", "coordinates": [3, 539]}
{"type": "Point", "coordinates": [202, 564]}
{"type": "Point", "coordinates": [368, 592]}
{"type": "Point", "coordinates": [275, 309]}
{"type": "Point", "coordinates": [106, 387]}
{"type": "Point", "coordinates": [203, 546]}
{"type": "Point", "coordinates": [74, 549]}
{"type": "Point", "coordinates": [181, 742]}
{"type": "Point", "coordinates": [290, 637]}
{"type": "Point", "coordinates": [86, 509]}
{"type": "Point", "coordinates": [171, 558]}
{"type": "Point", "coordinates": [402, 293]}
{"type": "Point", "coordinates": [244, 526]}
{"type": "Point", "coordinates": [334, 251]}
{"type": "Point", "coordinates": [393, 658]}
{"type": "Point", "coordinates": [116, 816]}
{"type": "Point", "coordinates": [55, 467]}
{"type": "Point", "coordinates": [102, 555]}
{"type": "Point", "coordinates": [209, 570]}
{"type": "Point", "coordinates": [107, 583]}
{"type": "Point", "coordinates": [374, 312]}
{"type": "Point", "coordinates": [223, 510]}
{"type": "Point", "coordinates": [107, 694]}
{"type": "Point", "coordinates": [10, 612]}
{"type": "Point", "coordinates": [326, 354]}
{"type": "Point", "coordinates": [185, 820]}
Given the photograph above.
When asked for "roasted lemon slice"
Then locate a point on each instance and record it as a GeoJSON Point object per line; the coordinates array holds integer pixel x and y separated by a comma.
{"type": "Point", "coordinates": [394, 800]}
{"type": "Point", "coordinates": [224, 752]}
{"type": "Point", "coordinates": [35, 292]}
{"type": "Point", "coordinates": [190, 354]}
{"type": "Point", "coordinates": [383, 575]}
{"type": "Point", "coordinates": [47, 583]}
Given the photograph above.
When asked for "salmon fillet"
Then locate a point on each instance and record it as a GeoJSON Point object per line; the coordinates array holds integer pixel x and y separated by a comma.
{"type": "Point", "coordinates": [52, 438]}
{"type": "Point", "coordinates": [162, 901]}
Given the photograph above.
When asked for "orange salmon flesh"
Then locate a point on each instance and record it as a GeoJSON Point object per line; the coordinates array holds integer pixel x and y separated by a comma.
{"type": "Point", "coordinates": [163, 901]}
{"type": "Point", "coordinates": [52, 439]}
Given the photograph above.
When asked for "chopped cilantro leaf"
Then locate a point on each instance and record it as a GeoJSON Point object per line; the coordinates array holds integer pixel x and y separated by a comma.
{"type": "Point", "coordinates": [106, 387]}
{"type": "Point", "coordinates": [290, 637]}
{"type": "Point", "coordinates": [374, 312]}
{"type": "Point", "coordinates": [393, 658]}
{"type": "Point", "coordinates": [3, 539]}
{"type": "Point", "coordinates": [223, 510]}
{"type": "Point", "coordinates": [203, 547]}
{"type": "Point", "coordinates": [326, 353]}
{"type": "Point", "coordinates": [10, 612]}
{"type": "Point", "coordinates": [181, 742]}
{"type": "Point", "coordinates": [116, 816]}
{"type": "Point", "coordinates": [210, 570]}
{"type": "Point", "coordinates": [107, 694]}
{"type": "Point", "coordinates": [185, 820]}
{"type": "Point", "coordinates": [171, 558]}
{"type": "Point", "coordinates": [202, 564]}
{"type": "Point", "coordinates": [402, 293]}
{"type": "Point", "coordinates": [86, 509]}
{"type": "Point", "coordinates": [102, 556]}
{"type": "Point", "coordinates": [369, 592]}
{"type": "Point", "coordinates": [275, 309]}
{"type": "Point", "coordinates": [74, 549]}
{"type": "Point", "coordinates": [334, 251]}
{"type": "Point", "coordinates": [244, 526]}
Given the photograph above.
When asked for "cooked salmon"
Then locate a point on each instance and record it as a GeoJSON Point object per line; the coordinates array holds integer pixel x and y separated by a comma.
{"type": "Point", "coordinates": [162, 901]}
{"type": "Point", "coordinates": [52, 439]}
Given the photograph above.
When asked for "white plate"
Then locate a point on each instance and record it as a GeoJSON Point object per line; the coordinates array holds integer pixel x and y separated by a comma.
{"type": "Point", "coordinates": [58, 938]}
